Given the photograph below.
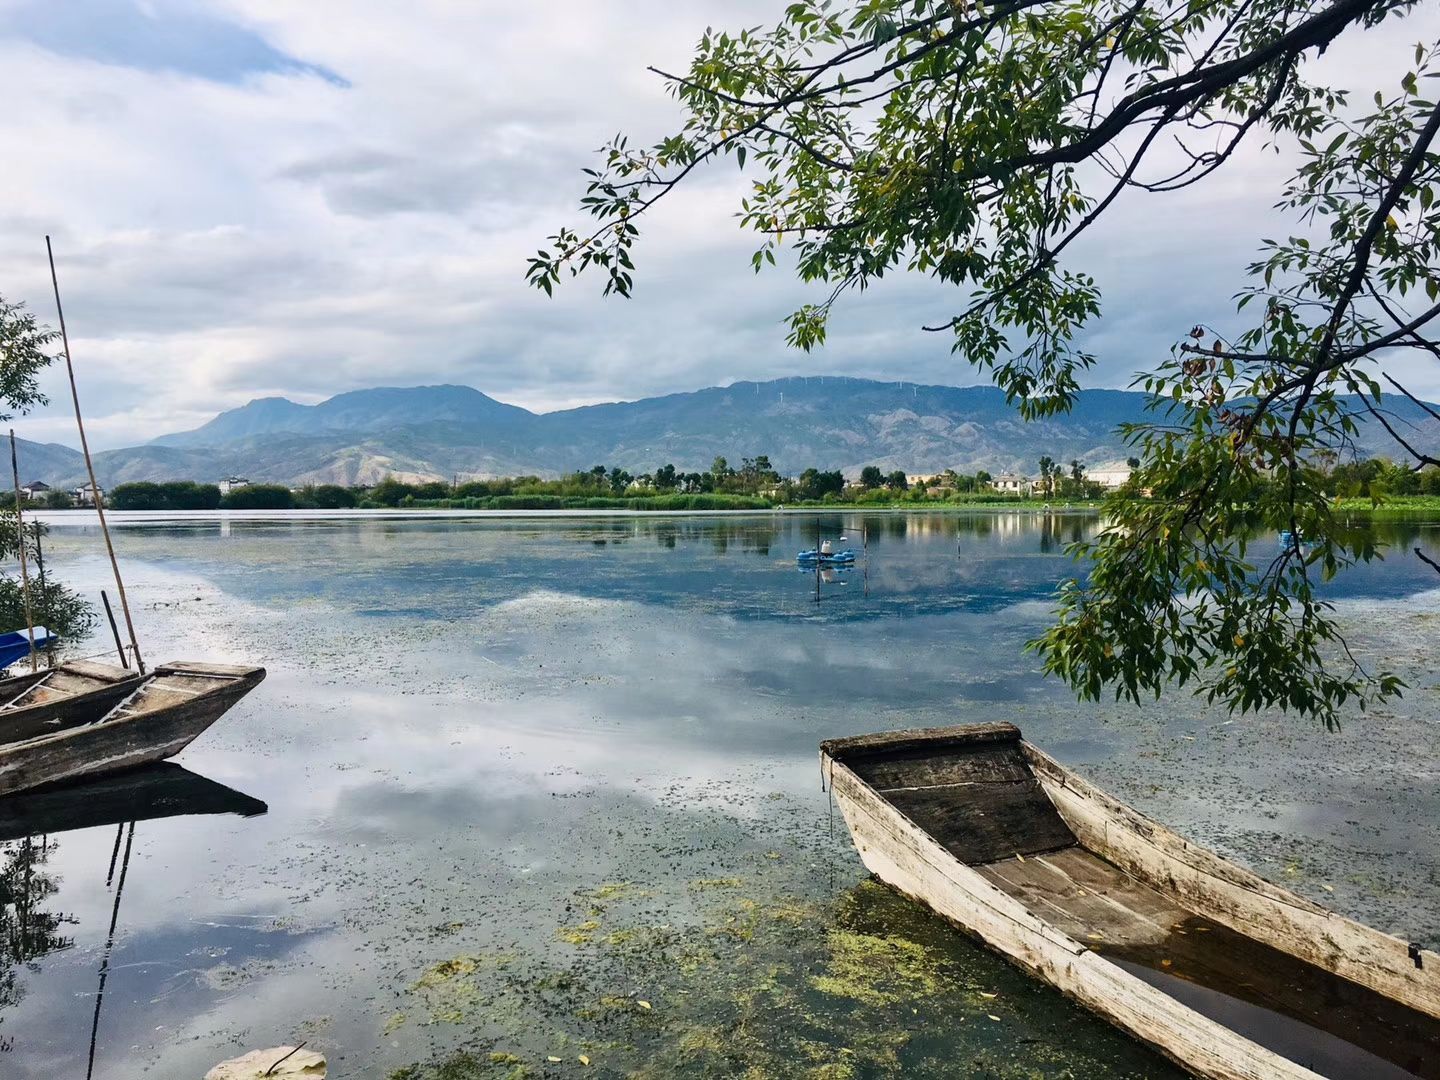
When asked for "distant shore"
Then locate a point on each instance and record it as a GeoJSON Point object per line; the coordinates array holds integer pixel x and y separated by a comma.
{"type": "Point", "coordinates": [1420, 508]}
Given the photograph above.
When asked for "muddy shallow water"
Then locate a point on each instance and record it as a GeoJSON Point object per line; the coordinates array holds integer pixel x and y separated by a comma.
{"type": "Point", "coordinates": [548, 790]}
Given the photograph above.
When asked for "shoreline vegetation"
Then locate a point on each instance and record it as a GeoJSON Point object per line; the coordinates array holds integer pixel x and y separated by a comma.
{"type": "Point", "coordinates": [1374, 489]}
{"type": "Point", "coordinates": [1399, 508]}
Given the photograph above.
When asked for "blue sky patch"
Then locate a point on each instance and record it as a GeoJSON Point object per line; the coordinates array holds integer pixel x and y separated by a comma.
{"type": "Point", "coordinates": [153, 36]}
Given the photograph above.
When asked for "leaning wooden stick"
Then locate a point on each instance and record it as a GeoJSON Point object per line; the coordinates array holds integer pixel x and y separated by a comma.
{"type": "Point", "coordinates": [90, 465]}
{"type": "Point", "coordinates": [109, 614]}
{"type": "Point", "coordinates": [20, 543]}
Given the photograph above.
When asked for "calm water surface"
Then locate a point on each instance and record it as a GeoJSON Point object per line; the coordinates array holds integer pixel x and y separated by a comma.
{"type": "Point", "coordinates": [545, 789]}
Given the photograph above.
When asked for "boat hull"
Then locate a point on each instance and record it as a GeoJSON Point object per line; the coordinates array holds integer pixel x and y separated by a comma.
{"type": "Point", "coordinates": [111, 745]}
{"type": "Point", "coordinates": [984, 900]}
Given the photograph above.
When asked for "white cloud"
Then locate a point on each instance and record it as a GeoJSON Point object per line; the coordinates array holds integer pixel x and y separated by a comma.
{"type": "Point", "coordinates": [272, 231]}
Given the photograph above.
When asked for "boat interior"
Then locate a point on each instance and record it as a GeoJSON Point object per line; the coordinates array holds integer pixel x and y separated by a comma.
{"type": "Point", "coordinates": [36, 703]}
{"type": "Point", "coordinates": [984, 804]}
{"type": "Point", "coordinates": [114, 693]}
{"type": "Point", "coordinates": [69, 680]}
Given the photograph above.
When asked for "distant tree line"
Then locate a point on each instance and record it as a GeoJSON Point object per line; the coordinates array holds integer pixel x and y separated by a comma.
{"type": "Point", "coordinates": [1378, 478]}
{"type": "Point", "coordinates": [755, 483]}
{"type": "Point", "coordinates": [188, 495]}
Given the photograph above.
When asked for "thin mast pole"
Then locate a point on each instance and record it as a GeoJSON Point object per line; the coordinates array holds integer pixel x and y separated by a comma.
{"type": "Point", "coordinates": [43, 606]}
{"type": "Point", "coordinates": [90, 465]}
{"type": "Point", "coordinates": [20, 537]}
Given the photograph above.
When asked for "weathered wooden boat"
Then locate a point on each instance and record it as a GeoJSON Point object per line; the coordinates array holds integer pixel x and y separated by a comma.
{"type": "Point", "coordinates": [47, 700]}
{"type": "Point", "coordinates": [1223, 972]}
{"type": "Point", "coordinates": [162, 790]}
{"type": "Point", "coordinates": [160, 715]}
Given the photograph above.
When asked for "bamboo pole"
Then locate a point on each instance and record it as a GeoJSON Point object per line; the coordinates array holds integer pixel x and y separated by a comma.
{"type": "Point", "coordinates": [43, 608]}
{"type": "Point", "coordinates": [90, 465]}
{"type": "Point", "coordinates": [20, 540]}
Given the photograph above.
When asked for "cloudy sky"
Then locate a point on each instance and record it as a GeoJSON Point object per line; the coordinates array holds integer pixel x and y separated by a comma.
{"type": "Point", "coordinates": [262, 197]}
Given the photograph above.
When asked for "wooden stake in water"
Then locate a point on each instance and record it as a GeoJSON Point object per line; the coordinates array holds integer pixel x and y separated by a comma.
{"type": "Point", "coordinates": [20, 542]}
{"type": "Point", "coordinates": [90, 465]}
{"type": "Point", "coordinates": [109, 614]}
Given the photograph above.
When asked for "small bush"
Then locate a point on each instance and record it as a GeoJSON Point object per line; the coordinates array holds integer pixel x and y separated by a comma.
{"type": "Point", "coordinates": [259, 497]}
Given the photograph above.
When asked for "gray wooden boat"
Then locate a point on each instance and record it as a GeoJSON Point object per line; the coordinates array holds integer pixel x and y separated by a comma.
{"type": "Point", "coordinates": [38, 702]}
{"type": "Point", "coordinates": [1218, 969]}
{"type": "Point", "coordinates": [162, 713]}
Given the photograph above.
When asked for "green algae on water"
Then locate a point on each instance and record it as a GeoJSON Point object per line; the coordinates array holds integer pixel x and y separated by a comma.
{"type": "Point", "coordinates": [769, 986]}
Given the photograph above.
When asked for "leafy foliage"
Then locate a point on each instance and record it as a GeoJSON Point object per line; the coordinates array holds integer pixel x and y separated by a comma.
{"type": "Point", "coordinates": [171, 495]}
{"type": "Point", "coordinates": [59, 609]}
{"type": "Point", "coordinates": [975, 143]}
{"type": "Point", "coordinates": [53, 605]}
{"type": "Point", "coordinates": [258, 497]}
{"type": "Point", "coordinates": [23, 353]}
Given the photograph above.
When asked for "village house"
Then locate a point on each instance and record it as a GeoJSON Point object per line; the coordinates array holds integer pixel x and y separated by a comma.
{"type": "Point", "coordinates": [86, 495]}
{"type": "Point", "coordinates": [928, 480]}
{"type": "Point", "coordinates": [35, 490]}
{"type": "Point", "coordinates": [230, 483]}
{"type": "Point", "coordinates": [1012, 484]}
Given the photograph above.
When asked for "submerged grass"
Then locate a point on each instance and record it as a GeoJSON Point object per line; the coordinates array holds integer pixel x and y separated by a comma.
{"type": "Point", "coordinates": [766, 984]}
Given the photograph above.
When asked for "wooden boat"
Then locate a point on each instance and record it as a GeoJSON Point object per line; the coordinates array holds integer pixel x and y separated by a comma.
{"type": "Point", "coordinates": [159, 716]}
{"type": "Point", "coordinates": [1218, 969]}
{"type": "Point", "coordinates": [47, 700]}
{"type": "Point", "coordinates": [148, 793]}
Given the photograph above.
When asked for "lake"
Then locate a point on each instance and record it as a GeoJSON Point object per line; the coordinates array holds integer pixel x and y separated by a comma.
{"type": "Point", "coordinates": [545, 790]}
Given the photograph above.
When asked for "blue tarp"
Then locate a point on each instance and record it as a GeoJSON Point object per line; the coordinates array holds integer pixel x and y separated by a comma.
{"type": "Point", "coordinates": [15, 646]}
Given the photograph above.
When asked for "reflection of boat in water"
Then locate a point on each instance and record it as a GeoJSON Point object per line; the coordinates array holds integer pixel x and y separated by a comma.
{"type": "Point", "coordinates": [1291, 539]}
{"type": "Point", "coordinates": [28, 824]}
{"type": "Point", "coordinates": [163, 713]}
{"type": "Point", "coordinates": [826, 574]}
{"type": "Point", "coordinates": [154, 791]}
{"type": "Point", "coordinates": [1219, 969]}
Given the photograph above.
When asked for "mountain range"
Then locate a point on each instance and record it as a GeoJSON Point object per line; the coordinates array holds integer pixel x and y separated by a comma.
{"type": "Point", "coordinates": [440, 432]}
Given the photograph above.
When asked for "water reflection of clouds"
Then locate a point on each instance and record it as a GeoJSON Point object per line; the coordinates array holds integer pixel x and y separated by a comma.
{"type": "Point", "coordinates": [521, 713]}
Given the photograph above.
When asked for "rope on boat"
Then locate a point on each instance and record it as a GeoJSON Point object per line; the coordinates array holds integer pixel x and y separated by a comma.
{"type": "Point", "coordinates": [90, 465]}
{"type": "Point", "coordinates": [20, 542]}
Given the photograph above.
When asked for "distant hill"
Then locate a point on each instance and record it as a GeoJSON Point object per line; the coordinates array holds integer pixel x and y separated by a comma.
{"type": "Point", "coordinates": [49, 462]}
{"type": "Point", "coordinates": [437, 432]}
{"type": "Point", "coordinates": [360, 411]}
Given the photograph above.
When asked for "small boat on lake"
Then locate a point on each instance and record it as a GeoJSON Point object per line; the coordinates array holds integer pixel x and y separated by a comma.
{"type": "Point", "coordinates": [155, 717]}
{"type": "Point", "coordinates": [15, 646]}
{"type": "Point", "coordinates": [825, 558]}
{"type": "Point", "coordinates": [82, 719]}
{"type": "Point", "coordinates": [1218, 969]}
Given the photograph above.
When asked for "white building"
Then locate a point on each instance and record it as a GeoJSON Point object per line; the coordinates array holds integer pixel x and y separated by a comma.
{"type": "Point", "coordinates": [230, 483]}
{"type": "Point", "coordinates": [36, 489]}
{"type": "Point", "coordinates": [1012, 484]}
{"type": "Point", "coordinates": [1112, 476]}
{"type": "Point", "coordinates": [85, 495]}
